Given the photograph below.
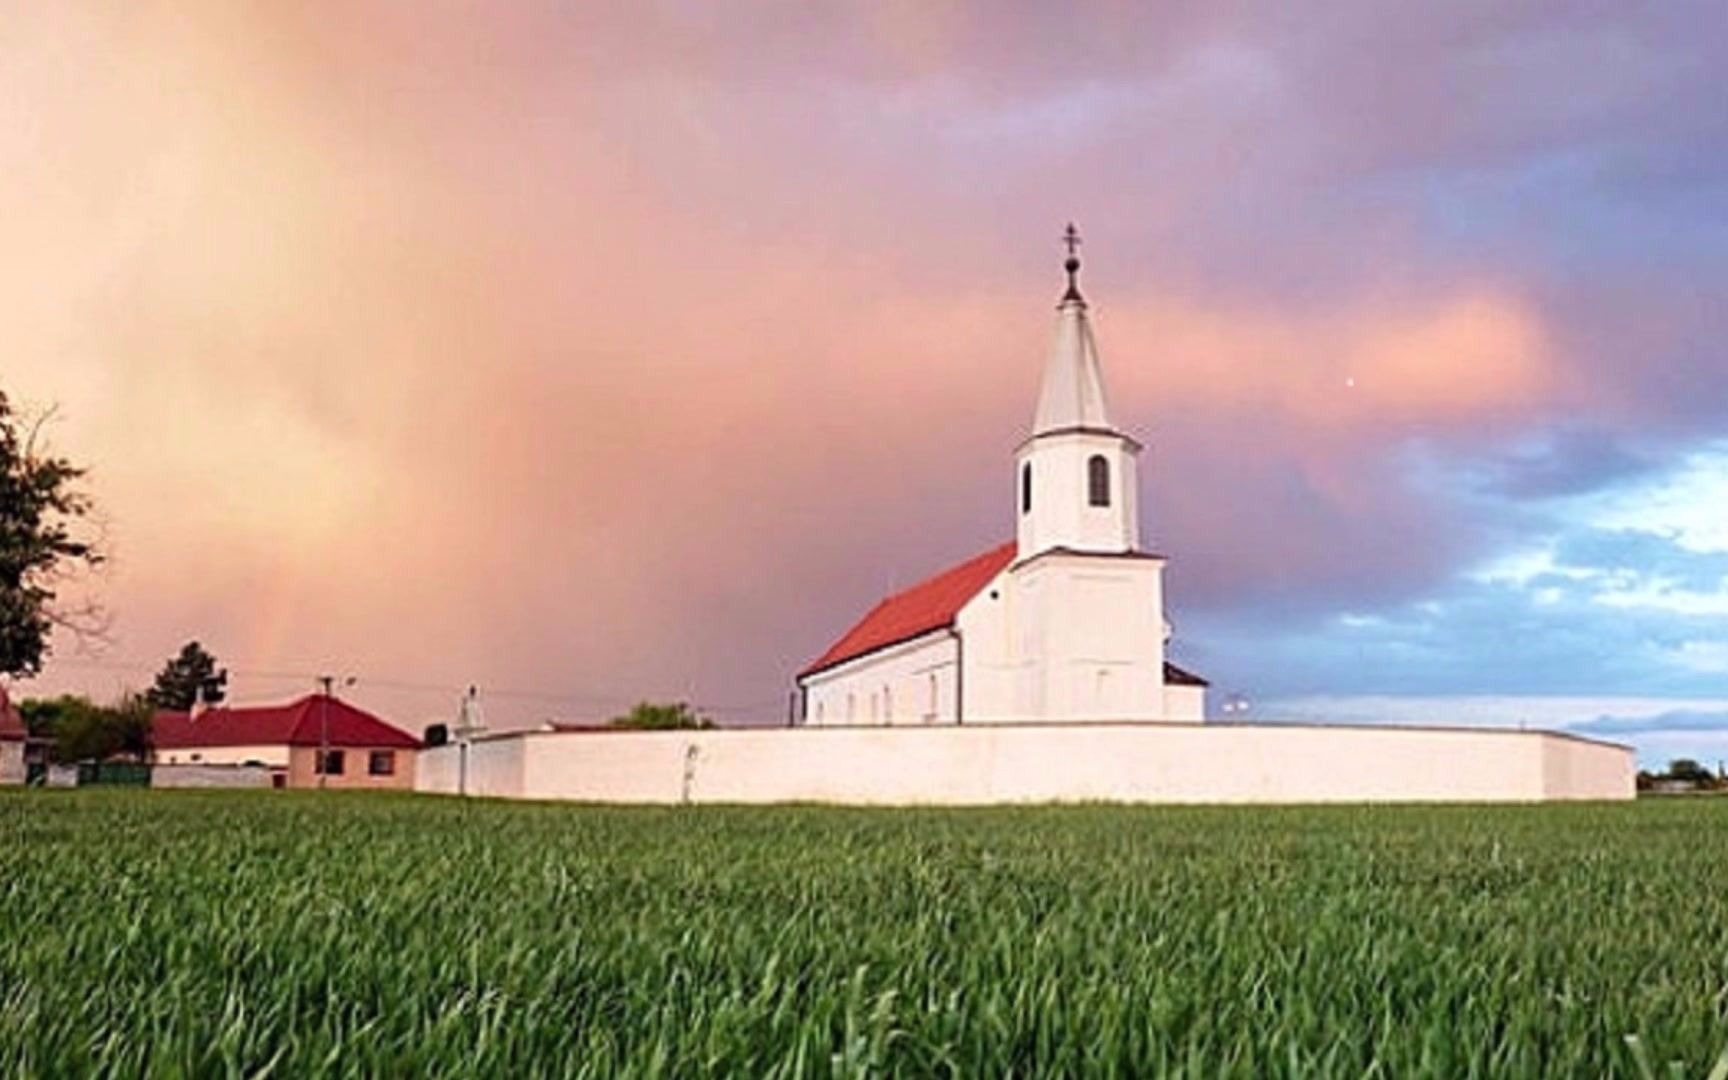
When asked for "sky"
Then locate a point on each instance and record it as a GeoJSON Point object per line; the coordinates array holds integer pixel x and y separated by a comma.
{"type": "Point", "coordinates": [593, 353]}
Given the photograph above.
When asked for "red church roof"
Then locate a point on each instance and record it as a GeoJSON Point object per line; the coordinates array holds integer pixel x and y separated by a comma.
{"type": "Point", "coordinates": [11, 723]}
{"type": "Point", "coordinates": [926, 606]}
{"type": "Point", "coordinates": [294, 724]}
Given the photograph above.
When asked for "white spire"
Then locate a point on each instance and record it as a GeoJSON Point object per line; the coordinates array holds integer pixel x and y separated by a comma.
{"type": "Point", "coordinates": [1073, 392]}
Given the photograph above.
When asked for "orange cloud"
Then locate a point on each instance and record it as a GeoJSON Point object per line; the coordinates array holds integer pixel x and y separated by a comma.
{"type": "Point", "coordinates": [1435, 360]}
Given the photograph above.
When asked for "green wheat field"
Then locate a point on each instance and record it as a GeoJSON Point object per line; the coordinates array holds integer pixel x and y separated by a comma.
{"type": "Point", "coordinates": [242, 934]}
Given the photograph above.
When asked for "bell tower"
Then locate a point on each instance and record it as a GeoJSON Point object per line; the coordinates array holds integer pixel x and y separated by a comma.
{"type": "Point", "coordinates": [1076, 484]}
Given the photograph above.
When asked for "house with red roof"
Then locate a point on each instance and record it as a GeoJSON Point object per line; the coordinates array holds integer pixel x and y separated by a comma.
{"type": "Point", "coordinates": [317, 741]}
{"type": "Point", "coordinates": [13, 737]}
{"type": "Point", "coordinates": [1063, 624]}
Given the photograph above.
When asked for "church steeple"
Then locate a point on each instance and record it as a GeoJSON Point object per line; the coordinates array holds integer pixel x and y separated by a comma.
{"type": "Point", "coordinates": [1073, 391]}
{"type": "Point", "coordinates": [1076, 477]}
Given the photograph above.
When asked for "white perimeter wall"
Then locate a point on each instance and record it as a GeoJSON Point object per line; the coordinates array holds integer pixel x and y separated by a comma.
{"type": "Point", "coordinates": [494, 768]}
{"type": "Point", "coordinates": [209, 776]}
{"type": "Point", "coordinates": [975, 765]}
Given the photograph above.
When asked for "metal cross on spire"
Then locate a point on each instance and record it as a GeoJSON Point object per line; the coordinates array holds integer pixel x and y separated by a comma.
{"type": "Point", "coordinates": [1071, 239]}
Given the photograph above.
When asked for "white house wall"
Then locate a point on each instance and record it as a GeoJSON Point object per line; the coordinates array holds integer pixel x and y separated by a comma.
{"type": "Point", "coordinates": [1026, 763]}
{"type": "Point", "coordinates": [12, 769]}
{"type": "Point", "coordinates": [910, 683]}
{"type": "Point", "coordinates": [273, 756]}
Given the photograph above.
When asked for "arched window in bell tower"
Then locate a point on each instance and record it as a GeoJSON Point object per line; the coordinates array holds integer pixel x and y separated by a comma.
{"type": "Point", "coordinates": [1026, 488]}
{"type": "Point", "coordinates": [1098, 480]}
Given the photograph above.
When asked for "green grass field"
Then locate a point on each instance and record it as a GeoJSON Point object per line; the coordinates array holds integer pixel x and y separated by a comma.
{"type": "Point", "coordinates": [242, 933]}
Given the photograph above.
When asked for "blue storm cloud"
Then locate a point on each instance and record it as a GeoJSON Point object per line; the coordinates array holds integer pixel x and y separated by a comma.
{"type": "Point", "coordinates": [1612, 583]}
{"type": "Point", "coordinates": [1678, 721]}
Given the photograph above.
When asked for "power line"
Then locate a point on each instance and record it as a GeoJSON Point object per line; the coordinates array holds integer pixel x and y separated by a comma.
{"type": "Point", "coordinates": [573, 698]}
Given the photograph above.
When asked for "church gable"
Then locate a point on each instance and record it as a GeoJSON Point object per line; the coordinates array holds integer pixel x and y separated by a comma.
{"type": "Point", "coordinates": [931, 604]}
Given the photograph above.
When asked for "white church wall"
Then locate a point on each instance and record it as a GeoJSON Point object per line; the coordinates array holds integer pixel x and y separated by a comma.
{"type": "Point", "coordinates": [985, 764]}
{"type": "Point", "coordinates": [1061, 513]}
{"type": "Point", "coordinates": [1067, 637]}
{"type": "Point", "coordinates": [1185, 704]}
{"type": "Point", "coordinates": [914, 682]}
{"type": "Point", "coordinates": [992, 653]}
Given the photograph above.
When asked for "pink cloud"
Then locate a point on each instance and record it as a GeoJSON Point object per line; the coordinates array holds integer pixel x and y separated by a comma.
{"type": "Point", "coordinates": [628, 355]}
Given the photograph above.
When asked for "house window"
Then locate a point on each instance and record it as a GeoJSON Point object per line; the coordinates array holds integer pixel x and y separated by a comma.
{"type": "Point", "coordinates": [329, 763]}
{"type": "Point", "coordinates": [1026, 488]}
{"type": "Point", "coordinates": [1098, 480]}
{"type": "Point", "coordinates": [381, 763]}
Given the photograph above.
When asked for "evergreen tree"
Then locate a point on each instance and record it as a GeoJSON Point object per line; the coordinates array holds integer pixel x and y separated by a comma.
{"type": "Point", "coordinates": [181, 680]}
{"type": "Point", "coordinates": [647, 716]}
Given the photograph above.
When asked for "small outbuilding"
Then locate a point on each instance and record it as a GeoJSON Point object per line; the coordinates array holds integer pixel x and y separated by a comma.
{"type": "Point", "coordinates": [317, 741]}
{"type": "Point", "coordinates": [13, 737]}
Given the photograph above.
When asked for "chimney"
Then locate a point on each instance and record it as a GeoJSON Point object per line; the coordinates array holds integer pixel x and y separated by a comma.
{"type": "Point", "coordinates": [198, 707]}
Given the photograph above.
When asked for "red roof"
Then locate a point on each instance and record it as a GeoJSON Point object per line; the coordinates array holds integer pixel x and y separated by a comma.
{"type": "Point", "coordinates": [294, 724]}
{"type": "Point", "coordinates": [926, 606]}
{"type": "Point", "coordinates": [11, 723]}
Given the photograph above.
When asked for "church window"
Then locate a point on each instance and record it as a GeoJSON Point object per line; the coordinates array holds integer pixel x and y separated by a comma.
{"type": "Point", "coordinates": [930, 712]}
{"type": "Point", "coordinates": [888, 704]}
{"type": "Point", "coordinates": [1026, 488]}
{"type": "Point", "coordinates": [1098, 481]}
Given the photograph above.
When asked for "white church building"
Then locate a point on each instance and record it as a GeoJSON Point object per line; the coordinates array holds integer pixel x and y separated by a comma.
{"type": "Point", "coordinates": [1034, 672]}
{"type": "Point", "coordinates": [1064, 623]}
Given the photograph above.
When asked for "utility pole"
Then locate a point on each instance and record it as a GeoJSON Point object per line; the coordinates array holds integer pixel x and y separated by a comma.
{"type": "Point", "coordinates": [325, 683]}
{"type": "Point", "coordinates": [463, 723]}
{"type": "Point", "coordinates": [323, 762]}
{"type": "Point", "coordinates": [468, 725]}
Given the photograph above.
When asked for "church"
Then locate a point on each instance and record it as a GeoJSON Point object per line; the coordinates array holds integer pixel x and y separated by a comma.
{"type": "Point", "coordinates": [1035, 672]}
{"type": "Point", "coordinates": [1065, 623]}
